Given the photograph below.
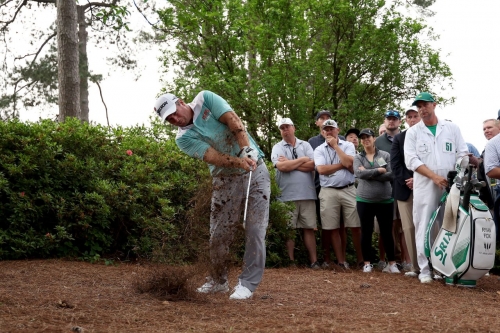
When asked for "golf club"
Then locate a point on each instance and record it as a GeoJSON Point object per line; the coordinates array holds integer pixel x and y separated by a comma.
{"type": "Point", "coordinates": [246, 201]}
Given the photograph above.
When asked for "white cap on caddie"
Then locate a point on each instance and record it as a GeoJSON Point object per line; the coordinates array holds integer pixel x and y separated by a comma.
{"type": "Point", "coordinates": [165, 106]}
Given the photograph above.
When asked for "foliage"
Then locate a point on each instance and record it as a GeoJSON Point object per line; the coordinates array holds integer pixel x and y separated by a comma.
{"type": "Point", "coordinates": [277, 58]}
{"type": "Point", "coordinates": [74, 189]}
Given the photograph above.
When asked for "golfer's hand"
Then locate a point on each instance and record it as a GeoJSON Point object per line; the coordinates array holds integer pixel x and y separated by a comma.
{"type": "Point", "coordinates": [382, 170]}
{"type": "Point", "coordinates": [249, 152]}
{"type": "Point", "coordinates": [440, 181]}
{"type": "Point", "coordinates": [248, 164]}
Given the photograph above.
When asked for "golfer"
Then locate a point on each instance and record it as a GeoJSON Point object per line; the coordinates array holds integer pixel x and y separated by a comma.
{"type": "Point", "coordinates": [431, 149]}
{"type": "Point", "coordinates": [210, 130]}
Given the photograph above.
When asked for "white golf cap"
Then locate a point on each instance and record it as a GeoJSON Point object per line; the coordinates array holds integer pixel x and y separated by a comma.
{"type": "Point", "coordinates": [285, 121]}
{"type": "Point", "coordinates": [412, 108]}
{"type": "Point", "coordinates": [329, 123]}
{"type": "Point", "coordinates": [165, 105]}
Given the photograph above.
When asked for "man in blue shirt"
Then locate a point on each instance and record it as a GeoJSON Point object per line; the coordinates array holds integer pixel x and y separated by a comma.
{"type": "Point", "coordinates": [211, 131]}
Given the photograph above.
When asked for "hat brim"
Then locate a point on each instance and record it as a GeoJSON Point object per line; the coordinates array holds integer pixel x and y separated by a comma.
{"type": "Point", "coordinates": [167, 112]}
{"type": "Point", "coordinates": [352, 130]}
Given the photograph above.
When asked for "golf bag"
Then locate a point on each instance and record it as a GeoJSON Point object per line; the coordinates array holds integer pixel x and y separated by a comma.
{"type": "Point", "coordinates": [462, 249]}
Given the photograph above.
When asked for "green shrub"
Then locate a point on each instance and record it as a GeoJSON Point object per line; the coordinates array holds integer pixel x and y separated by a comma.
{"type": "Point", "coordinates": [73, 189]}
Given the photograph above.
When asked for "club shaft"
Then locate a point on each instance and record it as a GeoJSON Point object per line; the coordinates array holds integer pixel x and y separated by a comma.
{"type": "Point", "coordinates": [246, 201]}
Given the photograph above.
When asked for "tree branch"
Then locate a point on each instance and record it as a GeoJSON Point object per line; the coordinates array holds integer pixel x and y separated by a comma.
{"type": "Point", "coordinates": [102, 99]}
{"type": "Point", "coordinates": [143, 15]}
{"type": "Point", "coordinates": [99, 4]}
{"type": "Point", "coordinates": [6, 23]}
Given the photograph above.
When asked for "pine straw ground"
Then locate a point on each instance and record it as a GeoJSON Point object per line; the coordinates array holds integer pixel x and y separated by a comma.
{"type": "Point", "coordinates": [66, 296]}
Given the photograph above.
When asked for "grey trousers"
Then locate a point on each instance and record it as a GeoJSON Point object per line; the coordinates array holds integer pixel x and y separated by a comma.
{"type": "Point", "coordinates": [228, 203]}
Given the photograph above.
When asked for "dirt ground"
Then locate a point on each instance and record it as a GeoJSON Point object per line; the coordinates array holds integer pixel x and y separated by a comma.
{"type": "Point", "coordinates": [71, 296]}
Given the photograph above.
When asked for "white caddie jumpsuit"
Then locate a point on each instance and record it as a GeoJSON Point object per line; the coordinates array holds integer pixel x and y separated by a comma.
{"type": "Point", "coordinates": [439, 153]}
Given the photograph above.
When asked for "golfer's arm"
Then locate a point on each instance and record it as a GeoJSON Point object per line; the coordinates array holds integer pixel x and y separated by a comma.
{"type": "Point", "coordinates": [231, 120]}
{"type": "Point", "coordinates": [214, 157]}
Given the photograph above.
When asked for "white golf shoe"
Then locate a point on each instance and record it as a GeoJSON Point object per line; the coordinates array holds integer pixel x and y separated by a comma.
{"type": "Point", "coordinates": [213, 287]}
{"type": "Point", "coordinates": [367, 268]}
{"type": "Point", "coordinates": [241, 292]}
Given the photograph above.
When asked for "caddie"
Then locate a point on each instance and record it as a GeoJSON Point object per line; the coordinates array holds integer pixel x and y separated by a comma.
{"type": "Point", "coordinates": [211, 131]}
{"type": "Point", "coordinates": [431, 149]}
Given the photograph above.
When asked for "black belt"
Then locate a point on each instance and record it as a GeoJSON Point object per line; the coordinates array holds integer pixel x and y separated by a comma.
{"type": "Point", "coordinates": [341, 187]}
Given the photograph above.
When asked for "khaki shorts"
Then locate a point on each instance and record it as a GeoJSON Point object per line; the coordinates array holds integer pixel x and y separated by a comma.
{"type": "Point", "coordinates": [332, 201]}
{"type": "Point", "coordinates": [304, 215]}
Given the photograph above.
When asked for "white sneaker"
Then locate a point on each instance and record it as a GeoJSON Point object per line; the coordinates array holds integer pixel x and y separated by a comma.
{"type": "Point", "coordinates": [426, 279]}
{"type": "Point", "coordinates": [241, 292]}
{"type": "Point", "coordinates": [391, 269]}
{"type": "Point", "coordinates": [411, 274]}
{"type": "Point", "coordinates": [213, 287]}
{"type": "Point", "coordinates": [367, 268]}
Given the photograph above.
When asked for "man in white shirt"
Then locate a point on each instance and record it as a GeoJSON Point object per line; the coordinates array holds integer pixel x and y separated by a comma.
{"type": "Point", "coordinates": [431, 149]}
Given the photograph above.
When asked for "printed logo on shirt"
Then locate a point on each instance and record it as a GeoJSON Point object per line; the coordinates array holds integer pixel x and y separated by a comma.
{"type": "Point", "coordinates": [206, 113]}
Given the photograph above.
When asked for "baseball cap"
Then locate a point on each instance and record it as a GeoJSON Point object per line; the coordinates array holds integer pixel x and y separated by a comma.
{"type": "Point", "coordinates": [329, 123]}
{"type": "Point", "coordinates": [322, 112]}
{"type": "Point", "coordinates": [392, 113]}
{"type": "Point", "coordinates": [366, 131]}
{"type": "Point", "coordinates": [412, 108]}
{"type": "Point", "coordinates": [423, 96]}
{"type": "Point", "coordinates": [352, 130]}
{"type": "Point", "coordinates": [165, 106]}
{"type": "Point", "coordinates": [285, 121]}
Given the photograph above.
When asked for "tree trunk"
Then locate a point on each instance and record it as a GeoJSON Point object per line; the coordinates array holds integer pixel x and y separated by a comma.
{"type": "Point", "coordinates": [84, 65]}
{"type": "Point", "coordinates": [67, 51]}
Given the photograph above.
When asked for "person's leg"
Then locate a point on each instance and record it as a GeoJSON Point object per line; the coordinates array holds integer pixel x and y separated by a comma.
{"type": "Point", "coordinates": [356, 240]}
{"type": "Point", "coordinates": [310, 243]}
{"type": "Point", "coordinates": [384, 213]}
{"type": "Point", "coordinates": [307, 222]}
{"type": "Point", "coordinates": [290, 246]}
{"type": "Point", "coordinates": [254, 259]}
{"type": "Point", "coordinates": [326, 235]}
{"type": "Point", "coordinates": [224, 217]}
{"type": "Point", "coordinates": [343, 233]}
{"type": "Point", "coordinates": [366, 215]}
{"type": "Point", "coordinates": [396, 229]}
{"type": "Point", "coordinates": [330, 216]}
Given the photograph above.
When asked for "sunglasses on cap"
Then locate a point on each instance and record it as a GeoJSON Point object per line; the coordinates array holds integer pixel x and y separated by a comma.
{"type": "Point", "coordinates": [392, 113]}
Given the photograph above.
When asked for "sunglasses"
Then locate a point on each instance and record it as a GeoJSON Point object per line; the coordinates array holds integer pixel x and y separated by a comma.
{"type": "Point", "coordinates": [392, 113]}
{"type": "Point", "coordinates": [295, 153]}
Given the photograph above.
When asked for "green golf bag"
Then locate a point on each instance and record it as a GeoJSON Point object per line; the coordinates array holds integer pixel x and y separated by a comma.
{"type": "Point", "coordinates": [460, 237]}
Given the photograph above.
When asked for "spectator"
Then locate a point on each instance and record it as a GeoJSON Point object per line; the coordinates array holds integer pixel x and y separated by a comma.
{"type": "Point", "coordinates": [491, 127]}
{"type": "Point", "coordinates": [392, 124]}
{"type": "Point", "coordinates": [294, 160]}
{"type": "Point", "coordinates": [333, 161]}
{"type": "Point", "coordinates": [431, 150]}
{"type": "Point", "coordinates": [381, 129]}
{"type": "Point", "coordinates": [403, 190]}
{"type": "Point", "coordinates": [352, 137]}
{"type": "Point", "coordinates": [326, 235]}
{"type": "Point", "coordinates": [374, 198]}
